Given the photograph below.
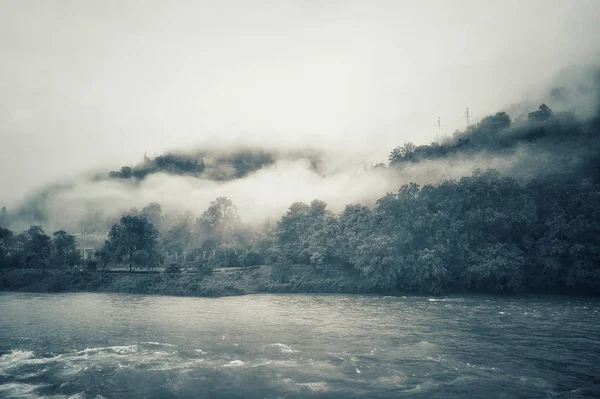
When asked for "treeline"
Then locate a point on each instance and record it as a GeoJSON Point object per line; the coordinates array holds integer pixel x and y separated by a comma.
{"type": "Point", "coordinates": [212, 165]}
{"type": "Point", "coordinates": [33, 248]}
{"type": "Point", "coordinates": [482, 233]}
{"type": "Point", "coordinates": [169, 163]}
{"type": "Point", "coordinates": [557, 143]}
{"type": "Point", "coordinates": [146, 239]}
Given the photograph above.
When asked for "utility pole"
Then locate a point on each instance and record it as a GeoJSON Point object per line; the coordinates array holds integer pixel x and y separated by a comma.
{"type": "Point", "coordinates": [439, 126]}
{"type": "Point", "coordinates": [467, 116]}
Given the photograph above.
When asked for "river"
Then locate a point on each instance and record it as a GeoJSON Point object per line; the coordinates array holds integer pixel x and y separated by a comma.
{"type": "Point", "coordinates": [293, 346]}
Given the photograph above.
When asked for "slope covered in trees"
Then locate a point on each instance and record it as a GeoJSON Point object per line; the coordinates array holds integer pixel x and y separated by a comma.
{"type": "Point", "coordinates": [481, 233]}
{"type": "Point", "coordinates": [553, 143]}
{"type": "Point", "coordinates": [535, 227]}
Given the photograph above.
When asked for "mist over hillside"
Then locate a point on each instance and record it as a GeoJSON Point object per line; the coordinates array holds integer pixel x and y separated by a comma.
{"type": "Point", "coordinates": [264, 180]}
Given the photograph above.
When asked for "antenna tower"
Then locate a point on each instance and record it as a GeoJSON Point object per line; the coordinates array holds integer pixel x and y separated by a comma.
{"type": "Point", "coordinates": [439, 126]}
{"type": "Point", "coordinates": [468, 116]}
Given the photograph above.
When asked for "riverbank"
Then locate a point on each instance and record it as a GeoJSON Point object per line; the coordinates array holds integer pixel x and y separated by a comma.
{"type": "Point", "coordinates": [224, 282]}
{"type": "Point", "coordinates": [220, 282]}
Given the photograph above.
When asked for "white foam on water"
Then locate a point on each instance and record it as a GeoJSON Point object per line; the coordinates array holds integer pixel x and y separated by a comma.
{"type": "Point", "coordinates": [264, 363]}
{"type": "Point", "coordinates": [396, 380]}
{"type": "Point", "coordinates": [19, 358]}
{"type": "Point", "coordinates": [284, 348]}
{"type": "Point", "coordinates": [425, 345]}
{"type": "Point", "coordinates": [175, 364]}
{"type": "Point", "coordinates": [14, 359]}
{"type": "Point", "coordinates": [235, 363]}
{"type": "Point", "coordinates": [278, 363]}
{"type": "Point", "coordinates": [118, 349]}
{"type": "Point", "coordinates": [31, 375]}
{"type": "Point", "coordinates": [424, 387]}
{"type": "Point", "coordinates": [159, 344]}
{"type": "Point", "coordinates": [19, 390]}
{"type": "Point", "coordinates": [315, 386]}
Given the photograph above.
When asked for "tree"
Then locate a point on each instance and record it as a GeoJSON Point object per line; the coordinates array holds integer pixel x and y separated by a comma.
{"type": "Point", "coordinates": [290, 230]}
{"type": "Point", "coordinates": [309, 234]}
{"type": "Point", "coordinates": [217, 226]}
{"type": "Point", "coordinates": [403, 153]}
{"type": "Point", "coordinates": [35, 248]}
{"type": "Point", "coordinates": [220, 217]}
{"type": "Point", "coordinates": [103, 256]}
{"type": "Point", "coordinates": [64, 250]}
{"type": "Point", "coordinates": [3, 217]}
{"type": "Point", "coordinates": [134, 241]}
{"type": "Point", "coordinates": [543, 113]}
{"type": "Point", "coordinates": [176, 239]}
{"type": "Point", "coordinates": [6, 237]}
{"type": "Point", "coordinates": [152, 212]}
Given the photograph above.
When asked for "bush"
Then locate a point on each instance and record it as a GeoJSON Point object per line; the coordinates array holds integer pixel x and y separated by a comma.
{"type": "Point", "coordinates": [173, 269]}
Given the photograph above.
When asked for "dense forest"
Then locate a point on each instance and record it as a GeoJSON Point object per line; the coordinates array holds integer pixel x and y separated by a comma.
{"type": "Point", "coordinates": [533, 231]}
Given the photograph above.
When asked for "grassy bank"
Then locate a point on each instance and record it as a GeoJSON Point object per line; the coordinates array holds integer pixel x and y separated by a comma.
{"type": "Point", "coordinates": [264, 279]}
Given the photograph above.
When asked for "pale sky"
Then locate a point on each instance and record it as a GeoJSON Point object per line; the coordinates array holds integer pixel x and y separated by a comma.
{"type": "Point", "coordinates": [88, 84]}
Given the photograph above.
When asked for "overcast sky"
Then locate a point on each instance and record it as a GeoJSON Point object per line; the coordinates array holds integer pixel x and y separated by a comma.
{"type": "Point", "coordinates": [85, 84]}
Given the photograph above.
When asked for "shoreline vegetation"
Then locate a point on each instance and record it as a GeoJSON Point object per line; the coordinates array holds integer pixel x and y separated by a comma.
{"type": "Point", "coordinates": [222, 282]}
{"type": "Point", "coordinates": [532, 228]}
{"type": "Point", "coordinates": [218, 283]}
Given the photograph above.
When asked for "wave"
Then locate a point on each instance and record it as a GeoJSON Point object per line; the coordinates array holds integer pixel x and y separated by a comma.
{"type": "Point", "coordinates": [19, 358]}
{"type": "Point", "coordinates": [19, 390]}
{"type": "Point", "coordinates": [284, 348]}
{"type": "Point", "coordinates": [121, 350]}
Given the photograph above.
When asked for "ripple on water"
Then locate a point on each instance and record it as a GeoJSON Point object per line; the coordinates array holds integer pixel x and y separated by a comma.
{"type": "Point", "coordinates": [321, 346]}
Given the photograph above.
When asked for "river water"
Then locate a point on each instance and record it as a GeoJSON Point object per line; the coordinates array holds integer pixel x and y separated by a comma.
{"type": "Point", "coordinates": [293, 346]}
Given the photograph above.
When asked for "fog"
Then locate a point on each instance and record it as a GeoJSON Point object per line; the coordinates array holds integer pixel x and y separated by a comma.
{"type": "Point", "coordinates": [90, 86]}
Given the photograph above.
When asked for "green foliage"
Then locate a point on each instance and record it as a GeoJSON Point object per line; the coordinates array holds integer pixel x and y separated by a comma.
{"type": "Point", "coordinates": [404, 153]}
{"type": "Point", "coordinates": [3, 217]}
{"type": "Point", "coordinates": [483, 232]}
{"type": "Point", "coordinates": [64, 250]}
{"type": "Point", "coordinates": [133, 241]}
{"type": "Point", "coordinates": [172, 269]}
{"type": "Point", "coordinates": [543, 113]}
{"type": "Point", "coordinates": [308, 234]}
{"type": "Point", "coordinates": [35, 247]}
{"type": "Point", "coordinates": [168, 163]}
{"type": "Point", "coordinates": [6, 238]}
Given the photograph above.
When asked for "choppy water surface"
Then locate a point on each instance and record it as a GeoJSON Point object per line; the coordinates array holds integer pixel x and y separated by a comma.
{"type": "Point", "coordinates": [269, 346]}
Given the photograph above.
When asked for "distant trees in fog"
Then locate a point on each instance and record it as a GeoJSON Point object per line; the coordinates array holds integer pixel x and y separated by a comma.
{"type": "Point", "coordinates": [33, 248]}
{"type": "Point", "coordinates": [482, 232]}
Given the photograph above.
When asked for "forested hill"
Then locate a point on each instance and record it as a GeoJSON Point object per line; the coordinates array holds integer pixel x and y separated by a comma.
{"type": "Point", "coordinates": [535, 227]}
{"type": "Point", "coordinates": [560, 141]}
{"type": "Point", "coordinates": [216, 165]}
{"type": "Point", "coordinates": [552, 143]}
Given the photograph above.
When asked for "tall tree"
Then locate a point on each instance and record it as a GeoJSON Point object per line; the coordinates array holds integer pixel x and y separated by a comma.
{"type": "Point", "coordinates": [6, 237]}
{"type": "Point", "coordinates": [134, 241]}
{"type": "Point", "coordinates": [64, 250]}
{"type": "Point", "coordinates": [152, 212]}
{"type": "Point", "coordinates": [3, 217]}
{"type": "Point", "coordinates": [217, 226]}
{"type": "Point", "coordinates": [35, 248]}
